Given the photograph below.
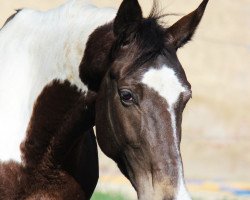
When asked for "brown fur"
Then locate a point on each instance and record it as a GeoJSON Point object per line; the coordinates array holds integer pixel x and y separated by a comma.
{"type": "Point", "coordinates": [59, 129]}
{"type": "Point", "coordinates": [138, 134]}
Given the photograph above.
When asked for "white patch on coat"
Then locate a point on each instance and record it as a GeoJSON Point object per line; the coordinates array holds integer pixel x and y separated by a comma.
{"type": "Point", "coordinates": [166, 83]}
{"type": "Point", "coordinates": [36, 48]}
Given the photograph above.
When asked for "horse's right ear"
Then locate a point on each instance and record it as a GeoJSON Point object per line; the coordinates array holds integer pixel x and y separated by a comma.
{"type": "Point", "coordinates": [183, 30]}
{"type": "Point", "coordinates": [128, 15]}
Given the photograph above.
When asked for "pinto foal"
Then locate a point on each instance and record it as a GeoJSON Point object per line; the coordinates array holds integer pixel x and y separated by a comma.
{"type": "Point", "coordinates": [43, 50]}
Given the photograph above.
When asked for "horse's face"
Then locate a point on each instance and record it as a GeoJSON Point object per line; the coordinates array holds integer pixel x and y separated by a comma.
{"type": "Point", "coordinates": [141, 126]}
{"type": "Point", "coordinates": [141, 100]}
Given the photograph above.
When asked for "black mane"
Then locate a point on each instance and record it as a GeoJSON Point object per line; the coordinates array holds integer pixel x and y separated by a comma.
{"type": "Point", "coordinates": [149, 37]}
{"type": "Point", "coordinates": [149, 34]}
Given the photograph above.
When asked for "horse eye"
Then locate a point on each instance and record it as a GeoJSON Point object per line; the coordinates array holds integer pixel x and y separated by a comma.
{"type": "Point", "coordinates": [126, 97]}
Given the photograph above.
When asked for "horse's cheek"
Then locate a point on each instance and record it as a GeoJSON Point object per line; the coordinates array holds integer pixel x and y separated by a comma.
{"type": "Point", "coordinates": [104, 130]}
{"type": "Point", "coordinates": [133, 128]}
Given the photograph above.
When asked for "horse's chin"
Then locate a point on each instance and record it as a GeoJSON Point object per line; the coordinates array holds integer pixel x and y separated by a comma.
{"type": "Point", "coordinates": [150, 189]}
{"type": "Point", "coordinates": [154, 194]}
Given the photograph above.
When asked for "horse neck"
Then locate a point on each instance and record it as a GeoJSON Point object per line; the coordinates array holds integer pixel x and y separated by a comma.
{"type": "Point", "coordinates": [96, 60]}
{"type": "Point", "coordinates": [77, 21]}
{"type": "Point", "coordinates": [52, 43]}
{"type": "Point", "coordinates": [49, 45]}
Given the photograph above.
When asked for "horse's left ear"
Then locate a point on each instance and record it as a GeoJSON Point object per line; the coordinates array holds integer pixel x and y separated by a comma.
{"type": "Point", "coordinates": [128, 15]}
{"type": "Point", "coordinates": [183, 30]}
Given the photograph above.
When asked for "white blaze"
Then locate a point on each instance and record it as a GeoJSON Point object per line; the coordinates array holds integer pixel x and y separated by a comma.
{"type": "Point", "coordinates": [166, 83]}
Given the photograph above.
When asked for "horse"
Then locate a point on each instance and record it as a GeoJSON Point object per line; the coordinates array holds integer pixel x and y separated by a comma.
{"type": "Point", "coordinates": [57, 122]}
{"type": "Point", "coordinates": [129, 64]}
{"type": "Point", "coordinates": [38, 49]}
{"type": "Point", "coordinates": [35, 49]}
{"type": "Point", "coordinates": [141, 96]}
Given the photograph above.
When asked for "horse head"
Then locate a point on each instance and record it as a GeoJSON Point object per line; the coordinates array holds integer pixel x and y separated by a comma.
{"type": "Point", "coordinates": [141, 96]}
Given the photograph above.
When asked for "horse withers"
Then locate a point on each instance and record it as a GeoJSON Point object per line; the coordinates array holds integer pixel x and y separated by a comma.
{"type": "Point", "coordinates": [141, 97]}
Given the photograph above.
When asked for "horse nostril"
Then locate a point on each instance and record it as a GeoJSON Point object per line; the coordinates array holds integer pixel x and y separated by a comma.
{"type": "Point", "coordinates": [168, 198]}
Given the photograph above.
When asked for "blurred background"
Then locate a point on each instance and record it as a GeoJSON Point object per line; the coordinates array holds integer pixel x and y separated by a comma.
{"type": "Point", "coordinates": [216, 123]}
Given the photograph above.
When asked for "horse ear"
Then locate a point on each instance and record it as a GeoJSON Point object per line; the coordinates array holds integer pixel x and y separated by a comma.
{"type": "Point", "coordinates": [128, 15]}
{"type": "Point", "coordinates": [183, 30]}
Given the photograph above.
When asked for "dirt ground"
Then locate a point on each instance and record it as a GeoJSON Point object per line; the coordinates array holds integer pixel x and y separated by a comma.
{"type": "Point", "coordinates": [216, 124]}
